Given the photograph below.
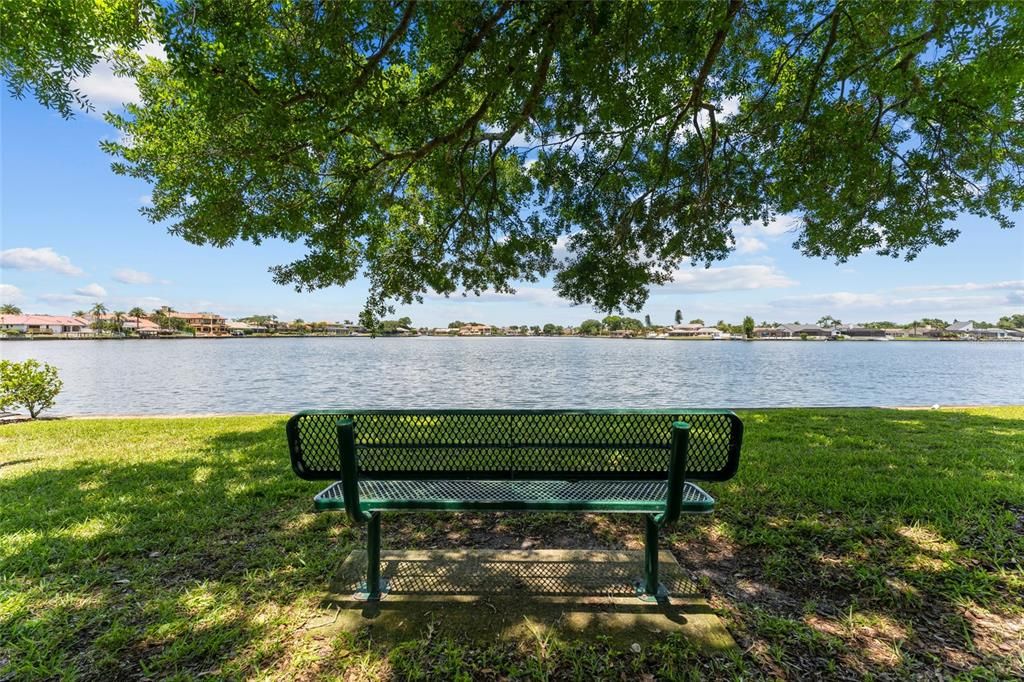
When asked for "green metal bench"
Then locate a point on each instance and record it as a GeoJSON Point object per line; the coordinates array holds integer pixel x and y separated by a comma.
{"type": "Point", "coordinates": [540, 460]}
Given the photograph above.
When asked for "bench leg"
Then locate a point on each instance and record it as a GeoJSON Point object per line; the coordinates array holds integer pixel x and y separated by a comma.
{"type": "Point", "coordinates": [648, 588]}
{"type": "Point", "coordinates": [650, 557]}
{"type": "Point", "coordinates": [373, 557]}
{"type": "Point", "coordinates": [375, 588]}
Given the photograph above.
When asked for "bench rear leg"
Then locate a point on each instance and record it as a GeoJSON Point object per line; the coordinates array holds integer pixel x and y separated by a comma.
{"type": "Point", "coordinates": [649, 589]}
{"type": "Point", "coordinates": [375, 588]}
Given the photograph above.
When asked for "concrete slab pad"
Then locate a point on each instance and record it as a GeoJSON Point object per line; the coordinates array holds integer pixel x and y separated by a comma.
{"type": "Point", "coordinates": [488, 595]}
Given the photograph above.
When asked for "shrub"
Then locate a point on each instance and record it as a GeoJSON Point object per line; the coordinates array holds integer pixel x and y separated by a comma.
{"type": "Point", "coordinates": [28, 384]}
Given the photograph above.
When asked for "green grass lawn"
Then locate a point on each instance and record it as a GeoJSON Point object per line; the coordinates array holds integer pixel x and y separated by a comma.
{"type": "Point", "coordinates": [852, 543]}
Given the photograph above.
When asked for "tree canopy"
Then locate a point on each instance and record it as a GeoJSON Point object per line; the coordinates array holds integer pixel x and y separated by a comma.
{"type": "Point", "coordinates": [446, 147]}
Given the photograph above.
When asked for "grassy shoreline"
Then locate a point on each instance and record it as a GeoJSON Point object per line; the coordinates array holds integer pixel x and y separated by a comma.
{"type": "Point", "coordinates": [853, 542]}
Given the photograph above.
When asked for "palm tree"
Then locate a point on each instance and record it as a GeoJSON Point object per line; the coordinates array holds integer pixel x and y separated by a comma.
{"type": "Point", "coordinates": [9, 309]}
{"type": "Point", "coordinates": [96, 311]}
{"type": "Point", "coordinates": [679, 317]}
{"type": "Point", "coordinates": [119, 320]}
{"type": "Point", "coordinates": [137, 313]}
{"type": "Point", "coordinates": [78, 313]}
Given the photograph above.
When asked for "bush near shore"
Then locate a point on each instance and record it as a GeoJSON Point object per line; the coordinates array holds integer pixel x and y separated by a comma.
{"type": "Point", "coordinates": [852, 543]}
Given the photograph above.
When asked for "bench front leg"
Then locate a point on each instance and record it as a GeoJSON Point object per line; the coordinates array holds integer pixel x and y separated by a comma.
{"type": "Point", "coordinates": [374, 588]}
{"type": "Point", "coordinates": [651, 586]}
{"type": "Point", "coordinates": [374, 584]}
{"type": "Point", "coordinates": [651, 589]}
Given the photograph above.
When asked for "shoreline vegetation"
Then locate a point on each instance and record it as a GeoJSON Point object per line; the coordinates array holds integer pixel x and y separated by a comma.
{"type": "Point", "coordinates": [99, 323]}
{"type": "Point", "coordinates": [852, 544]}
{"type": "Point", "coordinates": [69, 337]}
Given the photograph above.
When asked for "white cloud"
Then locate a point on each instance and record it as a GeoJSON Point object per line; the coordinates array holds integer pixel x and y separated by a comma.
{"type": "Point", "coordinates": [730, 106]}
{"type": "Point", "coordinates": [10, 293]}
{"type": "Point", "coordinates": [106, 90]}
{"type": "Point", "coordinates": [146, 199]}
{"type": "Point", "coordinates": [524, 294]}
{"type": "Point", "coordinates": [968, 286]}
{"type": "Point", "coordinates": [867, 306]}
{"type": "Point", "coordinates": [730, 278]}
{"type": "Point", "coordinates": [94, 290]}
{"type": "Point", "coordinates": [114, 303]}
{"type": "Point", "coordinates": [750, 245]}
{"type": "Point", "coordinates": [44, 258]}
{"type": "Point", "coordinates": [836, 299]}
{"type": "Point", "coordinates": [67, 298]}
{"type": "Point", "coordinates": [129, 276]}
{"type": "Point", "coordinates": [561, 248]}
{"type": "Point", "coordinates": [779, 225]}
{"type": "Point", "coordinates": [519, 140]}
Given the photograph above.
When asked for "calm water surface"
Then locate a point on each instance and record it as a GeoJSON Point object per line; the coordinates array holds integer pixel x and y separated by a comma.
{"type": "Point", "coordinates": [288, 374]}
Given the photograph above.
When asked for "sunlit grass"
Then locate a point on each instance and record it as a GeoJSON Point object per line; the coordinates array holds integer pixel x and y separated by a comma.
{"type": "Point", "coordinates": [869, 542]}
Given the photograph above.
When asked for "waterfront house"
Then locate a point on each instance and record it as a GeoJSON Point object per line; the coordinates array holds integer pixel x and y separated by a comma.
{"type": "Point", "coordinates": [43, 324]}
{"type": "Point", "coordinates": [476, 330]}
{"type": "Point", "coordinates": [862, 332]}
{"type": "Point", "coordinates": [205, 324]}
{"type": "Point", "coordinates": [685, 330]}
{"type": "Point", "coordinates": [142, 326]}
{"type": "Point", "coordinates": [713, 333]}
{"type": "Point", "coordinates": [798, 331]}
{"type": "Point", "coordinates": [961, 329]}
{"type": "Point", "coordinates": [998, 334]}
{"type": "Point", "coordinates": [238, 328]}
{"type": "Point", "coordinates": [770, 333]}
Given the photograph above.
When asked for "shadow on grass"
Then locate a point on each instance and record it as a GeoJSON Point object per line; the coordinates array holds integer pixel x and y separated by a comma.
{"type": "Point", "coordinates": [155, 567]}
{"type": "Point", "coordinates": [873, 540]}
{"type": "Point", "coordinates": [843, 529]}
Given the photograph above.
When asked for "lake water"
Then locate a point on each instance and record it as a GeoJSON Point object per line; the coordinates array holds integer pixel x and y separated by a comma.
{"type": "Point", "coordinates": [288, 374]}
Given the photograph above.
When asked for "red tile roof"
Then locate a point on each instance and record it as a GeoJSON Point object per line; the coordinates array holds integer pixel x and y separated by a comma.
{"type": "Point", "coordinates": [43, 320]}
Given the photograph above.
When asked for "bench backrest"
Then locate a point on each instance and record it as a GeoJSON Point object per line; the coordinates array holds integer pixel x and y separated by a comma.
{"type": "Point", "coordinates": [529, 445]}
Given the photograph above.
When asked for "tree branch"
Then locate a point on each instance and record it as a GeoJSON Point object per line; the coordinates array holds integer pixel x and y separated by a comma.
{"type": "Point", "coordinates": [813, 87]}
{"type": "Point", "coordinates": [374, 59]}
{"type": "Point", "coordinates": [474, 44]}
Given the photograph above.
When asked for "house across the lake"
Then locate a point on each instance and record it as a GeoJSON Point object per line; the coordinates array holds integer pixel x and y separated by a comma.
{"type": "Point", "coordinates": [792, 331]}
{"type": "Point", "coordinates": [205, 324]}
{"type": "Point", "coordinates": [862, 332]}
{"type": "Point", "coordinates": [476, 330]}
{"type": "Point", "coordinates": [143, 326]}
{"type": "Point", "coordinates": [43, 324]}
{"type": "Point", "coordinates": [969, 330]}
{"type": "Point", "coordinates": [692, 329]}
{"type": "Point", "coordinates": [238, 328]}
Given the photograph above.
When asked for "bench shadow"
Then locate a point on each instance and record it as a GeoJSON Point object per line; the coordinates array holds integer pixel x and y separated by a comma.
{"type": "Point", "coordinates": [487, 595]}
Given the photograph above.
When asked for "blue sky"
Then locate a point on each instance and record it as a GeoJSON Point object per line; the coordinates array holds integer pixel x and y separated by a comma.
{"type": "Point", "coordinates": [71, 235]}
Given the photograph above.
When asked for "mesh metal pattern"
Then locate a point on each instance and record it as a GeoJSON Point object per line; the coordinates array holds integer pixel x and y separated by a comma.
{"type": "Point", "coordinates": [510, 444]}
{"type": "Point", "coordinates": [475, 575]}
{"type": "Point", "coordinates": [639, 496]}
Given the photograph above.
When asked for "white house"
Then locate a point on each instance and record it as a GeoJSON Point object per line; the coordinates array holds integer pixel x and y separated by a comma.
{"type": "Point", "coordinates": [43, 324]}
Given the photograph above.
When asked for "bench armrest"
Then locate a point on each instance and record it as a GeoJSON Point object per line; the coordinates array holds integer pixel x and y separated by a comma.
{"type": "Point", "coordinates": [350, 471]}
{"type": "Point", "coordinates": [676, 474]}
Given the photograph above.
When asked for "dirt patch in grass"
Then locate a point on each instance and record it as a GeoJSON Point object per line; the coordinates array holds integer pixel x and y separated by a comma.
{"type": "Point", "coordinates": [809, 618]}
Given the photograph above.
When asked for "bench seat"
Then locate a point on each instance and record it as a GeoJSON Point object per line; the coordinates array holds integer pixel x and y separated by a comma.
{"type": "Point", "coordinates": [505, 495]}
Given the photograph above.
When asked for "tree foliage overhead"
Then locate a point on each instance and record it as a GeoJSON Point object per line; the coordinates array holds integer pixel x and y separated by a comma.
{"type": "Point", "coordinates": [446, 146]}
